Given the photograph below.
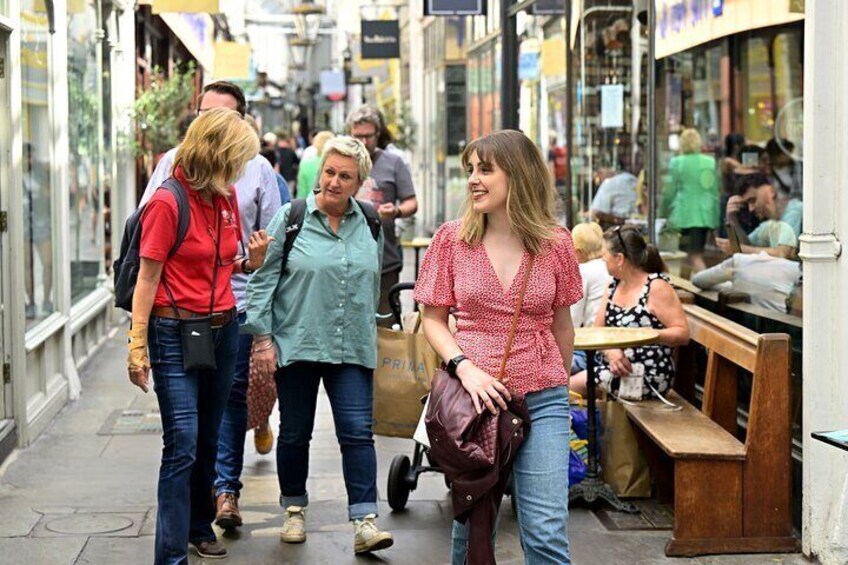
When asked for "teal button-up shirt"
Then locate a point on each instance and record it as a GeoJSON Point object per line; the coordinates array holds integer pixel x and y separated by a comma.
{"type": "Point", "coordinates": [323, 307]}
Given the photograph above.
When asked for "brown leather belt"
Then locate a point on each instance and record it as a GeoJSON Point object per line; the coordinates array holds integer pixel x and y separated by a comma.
{"type": "Point", "coordinates": [219, 319]}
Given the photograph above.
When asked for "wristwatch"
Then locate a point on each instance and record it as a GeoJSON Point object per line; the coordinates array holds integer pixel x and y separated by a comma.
{"type": "Point", "coordinates": [454, 363]}
{"type": "Point", "coordinates": [244, 268]}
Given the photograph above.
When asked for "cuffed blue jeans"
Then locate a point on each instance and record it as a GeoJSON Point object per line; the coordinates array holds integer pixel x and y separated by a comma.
{"type": "Point", "coordinates": [230, 462]}
{"type": "Point", "coordinates": [540, 484]}
{"type": "Point", "coordinates": [191, 404]}
{"type": "Point", "coordinates": [350, 389]}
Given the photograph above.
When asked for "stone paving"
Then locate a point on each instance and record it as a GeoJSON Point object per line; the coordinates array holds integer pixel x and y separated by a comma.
{"type": "Point", "coordinates": [77, 496]}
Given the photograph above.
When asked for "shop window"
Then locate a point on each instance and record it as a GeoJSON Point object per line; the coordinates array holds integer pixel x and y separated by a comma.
{"type": "Point", "coordinates": [757, 110]}
{"type": "Point", "coordinates": [86, 166]}
{"type": "Point", "coordinates": [36, 125]}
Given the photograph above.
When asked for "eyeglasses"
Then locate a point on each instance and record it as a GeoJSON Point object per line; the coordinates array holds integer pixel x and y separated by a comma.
{"type": "Point", "coordinates": [363, 136]}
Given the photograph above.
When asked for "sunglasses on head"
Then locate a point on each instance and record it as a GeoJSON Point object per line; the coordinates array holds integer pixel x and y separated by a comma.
{"type": "Point", "coordinates": [617, 231]}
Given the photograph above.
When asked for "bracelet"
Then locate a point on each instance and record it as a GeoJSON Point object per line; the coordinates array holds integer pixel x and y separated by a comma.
{"type": "Point", "coordinates": [244, 268]}
{"type": "Point", "coordinates": [265, 348]}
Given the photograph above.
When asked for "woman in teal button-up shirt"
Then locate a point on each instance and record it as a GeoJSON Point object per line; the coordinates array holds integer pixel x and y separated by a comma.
{"type": "Point", "coordinates": [317, 320]}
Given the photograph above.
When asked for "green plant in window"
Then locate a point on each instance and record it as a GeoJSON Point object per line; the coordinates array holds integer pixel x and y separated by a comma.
{"type": "Point", "coordinates": [159, 108]}
{"type": "Point", "coordinates": [404, 128]}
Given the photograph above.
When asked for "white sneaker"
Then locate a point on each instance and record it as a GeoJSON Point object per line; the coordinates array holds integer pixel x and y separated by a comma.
{"type": "Point", "coordinates": [367, 537]}
{"type": "Point", "coordinates": [294, 528]}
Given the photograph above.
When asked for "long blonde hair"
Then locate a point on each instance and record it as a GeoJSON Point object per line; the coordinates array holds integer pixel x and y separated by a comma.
{"type": "Point", "coordinates": [530, 190]}
{"type": "Point", "coordinates": [216, 148]}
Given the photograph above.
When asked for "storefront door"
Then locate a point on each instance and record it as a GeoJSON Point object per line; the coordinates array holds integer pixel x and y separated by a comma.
{"type": "Point", "coordinates": [5, 177]}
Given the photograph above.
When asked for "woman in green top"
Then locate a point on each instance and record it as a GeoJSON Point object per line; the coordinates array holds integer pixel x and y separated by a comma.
{"type": "Point", "coordinates": [317, 321]}
{"type": "Point", "coordinates": [691, 201]}
{"type": "Point", "coordinates": [307, 172]}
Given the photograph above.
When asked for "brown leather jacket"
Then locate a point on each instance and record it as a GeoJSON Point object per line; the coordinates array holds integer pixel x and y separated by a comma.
{"type": "Point", "coordinates": [478, 467]}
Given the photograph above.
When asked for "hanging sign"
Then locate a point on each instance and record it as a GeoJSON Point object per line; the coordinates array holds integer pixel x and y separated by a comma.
{"type": "Point", "coordinates": [549, 7]}
{"type": "Point", "coordinates": [380, 39]}
{"type": "Point", "coordinates": [232, 60]}
{"type": "Point", "coordinates": [528, 66]}
{"type": "Point", "coordinates": [333, 85]}
{"type": "Point", "coordinates": [186, 6]}
{"type": "Point", "coordinates": [455, 7]}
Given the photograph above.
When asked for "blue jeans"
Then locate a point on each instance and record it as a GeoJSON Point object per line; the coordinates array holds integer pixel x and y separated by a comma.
{"type": "Point", "coordinates": [540, 483]}
{"type": "Point", "coordinates": [230, 460]}
{"type": "Point", "coordinates": [191, 404]}
{"type": "Point", "coordinates": [350, 389]}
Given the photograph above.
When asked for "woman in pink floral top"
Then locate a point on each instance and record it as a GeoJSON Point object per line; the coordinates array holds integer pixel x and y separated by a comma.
{"type": "Point", "coordinates": [474, 268]}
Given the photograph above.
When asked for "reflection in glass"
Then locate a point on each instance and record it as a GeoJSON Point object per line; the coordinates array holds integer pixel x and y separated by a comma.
{"type": "Point", "coordinates": [86, 218]}
{"type": "Point", "coordinates": [35, 121]}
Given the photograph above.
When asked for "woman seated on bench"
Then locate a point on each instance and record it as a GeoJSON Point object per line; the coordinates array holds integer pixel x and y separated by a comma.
{"type": "Point", "coordinates": [639, 297]}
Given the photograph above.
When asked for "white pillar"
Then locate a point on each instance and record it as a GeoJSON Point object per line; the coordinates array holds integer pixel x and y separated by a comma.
{"type": "Point", "coordinates": [825, 389]}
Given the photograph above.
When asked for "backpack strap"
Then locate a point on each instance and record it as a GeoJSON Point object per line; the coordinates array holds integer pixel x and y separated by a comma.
{"type": "Point", "coordinates": [176, 188]}
{"type": "Point", "coordinates": [294, 223]}
{"type": "Point", "coordinates": [297, 214]}
{"type": "Point", "coordinates": [372, 218]}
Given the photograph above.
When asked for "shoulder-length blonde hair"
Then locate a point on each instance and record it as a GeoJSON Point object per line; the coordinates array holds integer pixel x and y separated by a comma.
{"type": "Point", "coordinates": [530, 190]}
{"type": "Point", "coordinates": [690, 141]}
{"type": "Point", "coordinates": [216, 148]}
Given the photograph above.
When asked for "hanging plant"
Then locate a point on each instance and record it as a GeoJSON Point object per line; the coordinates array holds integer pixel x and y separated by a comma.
{"type": "Point", "coordinates": [159, 108]}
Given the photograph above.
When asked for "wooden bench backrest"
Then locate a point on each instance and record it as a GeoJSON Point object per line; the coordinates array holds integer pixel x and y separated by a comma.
{"type": "Point", "coordinates": [768, 437]}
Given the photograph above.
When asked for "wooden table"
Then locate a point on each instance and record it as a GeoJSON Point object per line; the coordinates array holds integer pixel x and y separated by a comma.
{"type": "Point", "coordinates": [590, 340]}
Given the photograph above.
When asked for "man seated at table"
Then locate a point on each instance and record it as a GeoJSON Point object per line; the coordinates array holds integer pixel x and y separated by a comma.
{"type": "Point", "coordinates": [615, 200]}
{"type": "Point", "coordinates": [778, 234]}
{"type": "Point", "coordinates": [768, 280]}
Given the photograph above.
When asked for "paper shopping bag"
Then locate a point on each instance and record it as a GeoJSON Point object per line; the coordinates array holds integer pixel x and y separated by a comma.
{"type": "Point", "coordinates": [405, 363]}
{"type": "Point", "coordinates": [624, 465]}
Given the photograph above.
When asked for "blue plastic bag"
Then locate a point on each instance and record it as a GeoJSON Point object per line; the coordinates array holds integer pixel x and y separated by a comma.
{"type": "Point", "coordinates": [576, 468]}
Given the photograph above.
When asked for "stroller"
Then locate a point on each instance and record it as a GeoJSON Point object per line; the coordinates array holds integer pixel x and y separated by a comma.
{"type": "Point", "coordinates": [403, 473]}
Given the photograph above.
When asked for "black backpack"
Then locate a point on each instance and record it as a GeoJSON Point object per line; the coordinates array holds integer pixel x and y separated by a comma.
{"type": "Point", "coordinates": [295, 222]}
{"type": "Point", "coordinates": [126, 267]}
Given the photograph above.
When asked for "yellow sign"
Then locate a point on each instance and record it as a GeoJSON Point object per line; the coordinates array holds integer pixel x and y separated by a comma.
{"type": "Point", "coordinates": [683, 24]}
{"type": "Point", "coordinates": [186, 6]}
{"type": "Point", "coordinates": [553, 57]}
{"type": "Point", "coordinates": [232, 60]}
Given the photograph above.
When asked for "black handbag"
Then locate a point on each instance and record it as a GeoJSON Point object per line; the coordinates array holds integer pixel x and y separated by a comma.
{"type": "Point", "coordinates": [196, 332]}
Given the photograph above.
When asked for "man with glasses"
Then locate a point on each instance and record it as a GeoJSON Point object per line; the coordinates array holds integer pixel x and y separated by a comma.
{"type": "Point", "coordinates": [258, 200]}
{"type": "Point", "coordinates": [391, 191]}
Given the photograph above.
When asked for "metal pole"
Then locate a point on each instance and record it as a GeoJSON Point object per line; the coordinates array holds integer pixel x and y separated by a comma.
{"type": "Point", "coordinates": [569, 119]}
{"type": "Point", "coordinates": [509, 68]}
{"type": "Point", "coordinates": [651, 166]}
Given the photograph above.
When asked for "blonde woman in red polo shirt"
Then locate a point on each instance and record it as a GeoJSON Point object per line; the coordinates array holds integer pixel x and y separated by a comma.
{"type": "Point", "coordinates": [475, 266]}
{"type": "Point", "coordinates": [192, 384]}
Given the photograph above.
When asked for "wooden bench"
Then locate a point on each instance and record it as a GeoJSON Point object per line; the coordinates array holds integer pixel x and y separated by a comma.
{"type": "Point", "coordinates": [730, 496]}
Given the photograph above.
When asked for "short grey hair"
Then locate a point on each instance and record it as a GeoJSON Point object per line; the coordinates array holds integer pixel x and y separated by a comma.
{"type": "Point", "coordinates": [347, 146]}
{"type": "Point", "coordinates": [365, 115]}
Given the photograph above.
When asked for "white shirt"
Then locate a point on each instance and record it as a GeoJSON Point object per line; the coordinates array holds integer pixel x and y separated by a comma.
{"type": "Point", "coordinates": [616, 195]}
{"type": "Point", "coordinates": [258, 200]}
{"type": "Point", "coordinates": [768, 280]}
{"type": "Point", "coordinates": [596, 281]}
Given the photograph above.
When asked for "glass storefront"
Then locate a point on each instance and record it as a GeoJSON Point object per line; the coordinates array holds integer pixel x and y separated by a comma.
{"type": "Point", "coordinates": [39, 253]}
{"type": "Point", "coordinates": [86, 158]}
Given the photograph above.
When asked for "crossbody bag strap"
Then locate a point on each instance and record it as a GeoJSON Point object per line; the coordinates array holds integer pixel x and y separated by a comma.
{"type": "Point", "coordinates": [217, 259]}
{"type": "Point", "coordinates": [515, 317]}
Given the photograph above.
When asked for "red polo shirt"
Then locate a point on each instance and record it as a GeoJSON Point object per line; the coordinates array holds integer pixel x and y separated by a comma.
{"type": "Point", "coordinates": [189, 271]}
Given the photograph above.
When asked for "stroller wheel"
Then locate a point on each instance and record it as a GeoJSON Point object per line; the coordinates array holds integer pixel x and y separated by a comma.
{"type": "Point", "coordinates": [398, 488]}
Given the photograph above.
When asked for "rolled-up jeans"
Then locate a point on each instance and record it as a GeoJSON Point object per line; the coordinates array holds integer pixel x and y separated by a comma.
{"type": "Point", "coordinates": [191, 404]}
{"type": "Point", "coordinates": [230, 462]}
{"type": "Point", "coordinates": [350, 389]}
{"type": "Point", "coordinates": [540, 483]}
